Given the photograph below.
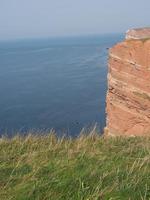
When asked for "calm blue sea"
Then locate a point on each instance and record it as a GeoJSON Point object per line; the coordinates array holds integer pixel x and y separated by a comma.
{"type": "Point", "coordinates": [54, 83]}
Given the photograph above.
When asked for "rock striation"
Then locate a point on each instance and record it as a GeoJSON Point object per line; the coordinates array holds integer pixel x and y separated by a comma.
{"type": "Point", "coordinates": [128, 96]}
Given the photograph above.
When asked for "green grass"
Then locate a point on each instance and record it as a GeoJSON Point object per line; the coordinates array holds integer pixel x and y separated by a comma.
{"type": "Point", "coordinates": [89, 167]}
{"type": "Point", "coordinates": [142, 40]}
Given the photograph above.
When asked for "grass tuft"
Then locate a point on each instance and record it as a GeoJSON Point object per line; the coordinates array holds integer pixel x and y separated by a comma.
{"type": "Point", "coordinates": [89, 167]}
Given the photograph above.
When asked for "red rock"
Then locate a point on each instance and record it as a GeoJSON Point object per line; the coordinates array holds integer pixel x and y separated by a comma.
{"type": "Point", "coordinates": [128, 96]}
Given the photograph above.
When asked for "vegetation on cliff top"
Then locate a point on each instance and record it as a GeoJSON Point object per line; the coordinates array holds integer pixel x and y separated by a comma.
{"type": "Point", "coordinates": [89, 167]}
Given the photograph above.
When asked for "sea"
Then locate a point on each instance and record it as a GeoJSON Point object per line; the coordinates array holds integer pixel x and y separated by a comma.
{"type": "Point", "coordinates": [54, 83]}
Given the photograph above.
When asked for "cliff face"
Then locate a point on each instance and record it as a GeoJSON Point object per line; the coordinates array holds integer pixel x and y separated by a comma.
{"type": "Point", "coordinates": [128, 96]}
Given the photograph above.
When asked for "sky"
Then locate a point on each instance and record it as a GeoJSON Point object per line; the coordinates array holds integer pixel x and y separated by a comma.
{"type": "Point", "coordinates": [53, 18]}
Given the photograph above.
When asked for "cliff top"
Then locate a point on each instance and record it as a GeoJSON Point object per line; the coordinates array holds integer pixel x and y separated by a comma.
{"type": "Point", "coordinates": [139, 33]}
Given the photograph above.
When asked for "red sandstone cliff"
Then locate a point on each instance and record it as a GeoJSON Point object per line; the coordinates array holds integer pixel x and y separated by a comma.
{"type": "Point", "coordinates": [128, 96]}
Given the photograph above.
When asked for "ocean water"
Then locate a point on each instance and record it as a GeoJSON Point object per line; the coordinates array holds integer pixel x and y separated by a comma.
{"type": "Point", "coordinates": [55, 83]}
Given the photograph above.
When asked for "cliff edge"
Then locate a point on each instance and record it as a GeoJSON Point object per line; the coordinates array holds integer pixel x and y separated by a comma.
{"type": "Point", "coordinates": [128, 96]}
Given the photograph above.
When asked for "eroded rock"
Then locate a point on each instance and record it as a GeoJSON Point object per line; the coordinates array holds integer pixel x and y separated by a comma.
{"type": "Point", "coordinates": [128, 96]}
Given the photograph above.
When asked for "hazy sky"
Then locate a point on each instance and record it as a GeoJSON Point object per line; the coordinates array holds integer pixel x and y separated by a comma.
{"type": "Point", "coordinates": [44, 18]}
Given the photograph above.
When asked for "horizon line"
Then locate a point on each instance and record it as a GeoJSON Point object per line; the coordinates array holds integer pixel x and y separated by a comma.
{"type": "Point", "coordinates": [58, 36]}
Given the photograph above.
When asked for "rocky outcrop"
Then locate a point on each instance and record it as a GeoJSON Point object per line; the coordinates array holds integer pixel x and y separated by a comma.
{"type": "Point", "coordinates": [128, 96]}
{"type": "Point", "coordinates": [139, 33]}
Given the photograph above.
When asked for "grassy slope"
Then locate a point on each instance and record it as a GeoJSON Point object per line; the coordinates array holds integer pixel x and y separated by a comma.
{"type": "Point", "coordinates": [87, 168]}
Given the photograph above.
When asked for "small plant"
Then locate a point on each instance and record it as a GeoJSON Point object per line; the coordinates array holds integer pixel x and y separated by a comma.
{"type": "Point", "coordinates": [89, 167]}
